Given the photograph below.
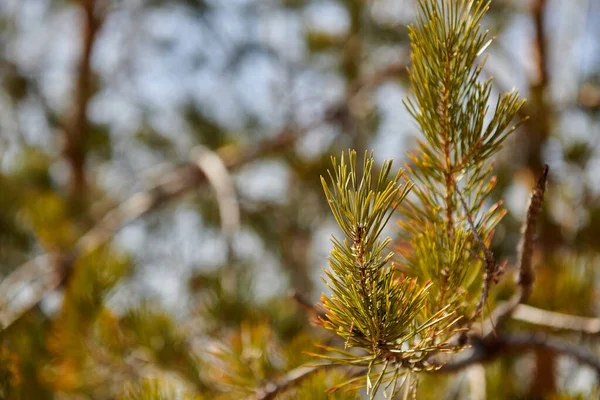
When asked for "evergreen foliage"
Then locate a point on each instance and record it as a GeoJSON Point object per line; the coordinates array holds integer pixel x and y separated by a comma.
{"type": "Point", "coordinates": [399, 320]}
{"type": "Point", "coordinates": [370, 307]}
{"type": "Point", "coordinates": [161, 215]}
{"type": "Point", "coordinates": [452, 165]}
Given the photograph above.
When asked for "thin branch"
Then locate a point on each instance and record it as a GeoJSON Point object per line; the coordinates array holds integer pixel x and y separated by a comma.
{"type": "Point", "coordinates": [48, 275]}
{"type": "Point", "coordinates": [378, 77]}
{"type": "Point", "coordinates": [24, 288]}
{"type": "Point", "coordinates": [76, 128]}
{"type": "Point", "coordinates": [526, 273]}
{"type": "Point", "coordinates": [558, 321]}
{"type": "Point", "coordinates": [218, 175]}
{"type": "Point", "coordinates": [540, 48]}
{"type": "Point", "coordinates": [491, 269]}
{"type": "Point", "coordinates": [488, 349]}
{"type": "Point", "coordinates": [292, 378]}
{"type": "Point", "coordinates": [489, 256]}
{"type": "Point", "coordinates": [311, 309]}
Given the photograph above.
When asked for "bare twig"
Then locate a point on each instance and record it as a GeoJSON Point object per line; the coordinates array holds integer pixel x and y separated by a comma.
{"type": "Point", "coordinates": [77, 125]}
{"type": "Point", "coordinates": [217, 174]}
{"type": "Point", "coordinates": [305, 304]}
{"type": "Point", "coordinates": [526, 274]}
{"type": "Point", "coordinates": [42, 274]}
{"type": "Point", "coordinates": [378, 77]}
{"type": "Point", "coordinates": [292, 378]}
{"type": "Point", "coordinates": [558, 321]}
{"type": "Point", "coordinates": [37, 276]}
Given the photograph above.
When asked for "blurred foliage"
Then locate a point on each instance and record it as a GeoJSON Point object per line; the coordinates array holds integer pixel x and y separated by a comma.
{"type": "Point", "coordinates": [154, 390]}
{"type": "Point", "coordinates": [164, 76]}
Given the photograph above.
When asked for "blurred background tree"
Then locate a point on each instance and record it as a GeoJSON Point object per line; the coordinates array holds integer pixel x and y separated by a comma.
{"type": "Point", "coordinates": [133, 267]}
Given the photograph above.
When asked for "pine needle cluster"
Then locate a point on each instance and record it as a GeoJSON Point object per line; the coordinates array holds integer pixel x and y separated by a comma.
{"type": "Point", "coordinates": [449, 223]}
{"type": "Point", "coordinates": [401, 315]}
{"type": "Point", "coordinates": [372, 307]}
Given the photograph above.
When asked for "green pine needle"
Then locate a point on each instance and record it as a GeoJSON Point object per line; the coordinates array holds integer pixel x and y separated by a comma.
{"type": "Point", "coordinates": [391, 322]}
{"type": "Point", "coordinates": [371, 307]}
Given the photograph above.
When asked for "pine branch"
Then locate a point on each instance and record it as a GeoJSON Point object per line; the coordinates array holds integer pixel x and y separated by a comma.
{"type": "Point", "coordinates": [488, 349]}
{"type": "Point", "coordinates": [450, 103]}
{"type": "Point", "coordinates": [370, 308]}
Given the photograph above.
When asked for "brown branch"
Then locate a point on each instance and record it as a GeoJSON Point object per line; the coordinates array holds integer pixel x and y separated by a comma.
{"type": "Point", "coordinates": [292, 378]}
{"type": "Point", "coordinates": [378, 77]}
{"type": "Point", "coordinates": [540, 47]}
{"type": "Point", "coordinates": [314, 311]}
{"type": "Point", "coordinates": [485, 350]}
{"type": "Point", "coordinates": [76, 128]}
{"type": "Point", "coordinates": [446, 136]}
{"type": "Point", "coordinates": [46, 274]}
{"type": "Point", "coordinates": [526, 273]}
{"type": "Point", "coordinates": [538, 107]}
{"type": "Point", "coordinates": [539, 130]}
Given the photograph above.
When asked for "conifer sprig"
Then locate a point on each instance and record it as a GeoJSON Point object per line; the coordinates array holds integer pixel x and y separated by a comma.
{"type": "Point", "coordinates": [448, 222]}
{"type": "Point", "coordinates": [371, 307]}
{"type": "Point", "coordinates": [451, 105]}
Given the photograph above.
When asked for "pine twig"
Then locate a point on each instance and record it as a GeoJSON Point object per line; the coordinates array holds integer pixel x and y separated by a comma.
{"type": "Point", "coordinates": [292, 378]}
{"type": "Point", "coordinates": [491, 267]}
{"type": "Point", "coordinates": [490, 348]}
{"type": "Point", "coordinates": [526, 273]}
